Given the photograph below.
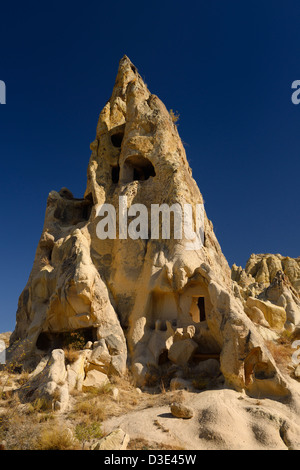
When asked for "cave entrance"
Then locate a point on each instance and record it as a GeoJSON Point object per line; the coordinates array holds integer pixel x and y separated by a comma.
{"type": "Point", "coordinates": [201, 307]}
{"type": "Point", "coordinates": [197, 309]}
{"type": "Point", "coordinates": [75, 339]}
{"type": "Point", "coordinates": [115, 174]}
{"type": "Point", "coordinates": [138, 168]}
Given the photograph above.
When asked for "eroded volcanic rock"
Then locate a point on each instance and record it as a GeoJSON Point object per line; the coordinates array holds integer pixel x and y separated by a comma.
{"type": "Point", "coordinates": [141, 303]}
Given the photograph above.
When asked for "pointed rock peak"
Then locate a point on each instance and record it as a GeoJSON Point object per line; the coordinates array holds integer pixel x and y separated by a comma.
{"type": "Point", "coordinates": [127, 72]}
{"type": "Point", "coordinates": [125, 63]}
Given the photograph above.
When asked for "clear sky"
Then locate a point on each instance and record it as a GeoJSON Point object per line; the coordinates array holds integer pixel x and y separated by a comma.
{"type": "Point", "coordinates": [225, 66]}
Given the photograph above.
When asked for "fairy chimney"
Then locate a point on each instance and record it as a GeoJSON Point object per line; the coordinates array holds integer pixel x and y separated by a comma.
{"type": "Point", "coordinates": [152, 300]}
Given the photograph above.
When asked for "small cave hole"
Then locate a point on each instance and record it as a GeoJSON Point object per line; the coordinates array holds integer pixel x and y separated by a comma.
{"type": "Point", "coordinates": [44, 341]}
{"type": "Point", "coordinates": [163, 358]}
{"type": "Point", "coordinates": [116, 139]}
{"type": "Point", "coordinates": [75, 339]}
{"type": "Point", "coordinates": [115, 174]}
{"type": "Point", "coordinates": [139, 168]}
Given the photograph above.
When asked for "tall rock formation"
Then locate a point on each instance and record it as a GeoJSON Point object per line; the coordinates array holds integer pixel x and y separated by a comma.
{"type": "Point", "coordinates": [274, 279]}
{"type": "Point", "coordinates": [143, 302]}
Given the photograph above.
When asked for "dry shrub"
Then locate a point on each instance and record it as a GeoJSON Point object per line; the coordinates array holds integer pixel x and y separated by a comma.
{"type": "Point", "coordinates": [22, 424]}
{"type": "Point", "coordinates": [125, 382]}
{"type": "Point", "coordinates": [71, 355]}
{"type": "Point", "coordinates": [88, 431]}
{"type": "Point", "coordinates": [24, 377]}
{"type": "Point", "coordinates": [159, 376]}
{"type": "Point", "coordinates": [174, 116]}
{"type": "Point", "coordinates": [18, 430]}
{"type": "Point", "coordinates": [56, 437]}
{"type": "Point", "coordinates": [103, 390]}
{"type": "Point", "coordinates": [73, 340]}
{"type": "Point", "coordinates": [91, 408]}
{"type": "Point", "coordinates": [282, 352]}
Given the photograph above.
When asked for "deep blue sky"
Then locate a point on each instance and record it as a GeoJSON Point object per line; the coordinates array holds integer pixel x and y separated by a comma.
{"type": "Point", "coordinates": [225, 66]}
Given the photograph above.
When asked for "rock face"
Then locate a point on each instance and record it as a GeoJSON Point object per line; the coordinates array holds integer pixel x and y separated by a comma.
{"type": "Point", "coordinates": [116, 440]}
{"type": "Point", "coordinates": [147, 301]}
{"type": "Point", "coordinates": [50, 384]}
{"type": "Point", "coordinates": [275, 281]}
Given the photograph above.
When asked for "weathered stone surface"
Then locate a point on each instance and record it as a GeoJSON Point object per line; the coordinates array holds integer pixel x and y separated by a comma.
{"type": "Point", "coordinates": [274, 315]}
{"type": "Point", "coordinates": [76, 372]}
{"type": "Point", "coordinates": [116, 440]}
{"type": "Point", "coordinates": [160, 292]}
{"type": "Point", "coordinates": [179, 410]}
{"type": "Point", "coordinates": [181, 352]}
{"type": "Point", "coordinates": [272, 278]}
{"type": "Point", "coordinates": [49, 384]}
{"type": "Point", "coordinates": [94, 379]}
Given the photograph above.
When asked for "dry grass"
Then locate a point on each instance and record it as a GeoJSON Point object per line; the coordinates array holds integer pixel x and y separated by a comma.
{"type": "Point", "coordinates": [71, 355]}
{"type": "Point", "coordinates": [282, 352]}
{"type": "Point", "coordinates": [100, 405]}
{"type": "Point", "coordinates": [174, 116]}
{"type": "Point", "coordinates": [57, 437]}
{"type": "Point", "coordinates": [89, 431]}
{"type": "Point", "coordinates": [32, 426]}
{"type": "Point", "coordinates": [23, 378]}
{"type": "Point", "coordinates": [89, 408]}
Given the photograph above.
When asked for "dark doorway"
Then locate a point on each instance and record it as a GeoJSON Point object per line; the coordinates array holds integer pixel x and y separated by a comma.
{"type": "Point", "coordinates": [115, 173]}
{"type": "Point", "coordinates": [201, 306]}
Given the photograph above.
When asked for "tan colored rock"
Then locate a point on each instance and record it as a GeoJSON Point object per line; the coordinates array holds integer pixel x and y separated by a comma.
{"type": "Point", "coordinates": [274, 315]}
{"type": "Point", "coordinates": [115, 393]}
{"type": "Point", "coordinates": [49, 384]}
{"type": "Point", "coordinates": [179, 410]}
{"type": "Point", "coordinates": [256, 315]}
{"type": "Point", "coordinates": [76, 372]}
{"type": "Point", "coordinates": [94, 379]}
{"type": "Point", "coordinates": [182, 351]}
{"type": "Point", "coordinates": [116, 440]}
{"type": "Point", "coordinates": [167, 296]}
{"type": "Point", "coordinates": [273, 278]}
{"type": "Point", "coordinates": [100, 358]}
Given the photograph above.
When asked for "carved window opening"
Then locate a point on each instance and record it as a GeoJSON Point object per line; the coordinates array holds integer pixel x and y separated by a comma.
{"type": "Point", "coordinates": [138, 168]}
{"type": "Point", "coordinates": [116, 139]}
{"type": "Point", "coordinates": [115, 174]}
